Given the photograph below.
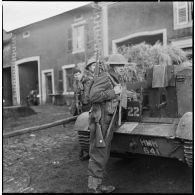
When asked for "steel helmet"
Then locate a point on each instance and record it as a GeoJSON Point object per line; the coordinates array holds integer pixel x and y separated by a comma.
{"type": "Point", "coordinates": [90, 61]}
{"type": "Point", "coordinates": [117, 59]}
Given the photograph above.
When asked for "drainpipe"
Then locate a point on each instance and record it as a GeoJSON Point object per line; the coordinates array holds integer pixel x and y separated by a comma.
{"type": "Point", "coordinates": [97, 28]}
{"type": "Point", "coordinates": [13, 69]}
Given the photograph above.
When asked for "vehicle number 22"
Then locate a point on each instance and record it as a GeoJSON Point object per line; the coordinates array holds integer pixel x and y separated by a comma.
{"type": "Point", "coordinates": [133, 111]}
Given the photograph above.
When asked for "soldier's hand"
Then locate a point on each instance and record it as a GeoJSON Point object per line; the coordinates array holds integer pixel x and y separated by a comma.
{"type": "Point", "coordinates": [117, 89]}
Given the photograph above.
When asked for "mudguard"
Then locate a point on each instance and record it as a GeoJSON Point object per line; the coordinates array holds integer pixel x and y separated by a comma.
{"type": "Point", "coordinates": [82, 122]}
{"type": "Point", "coordinates": [184, 128]}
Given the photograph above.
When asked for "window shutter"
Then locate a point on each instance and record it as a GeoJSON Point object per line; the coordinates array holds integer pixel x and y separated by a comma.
{"type": "Point", "coordinates": [191, 10]}
{"type": "Point", "coordinates": [182, 12]}
{"type": "Point", "coordinates": [60, 81]}
{"type": "Point", "coordinates": [88, 35]}
{"type": "Point", "coordinates": [70, 40]}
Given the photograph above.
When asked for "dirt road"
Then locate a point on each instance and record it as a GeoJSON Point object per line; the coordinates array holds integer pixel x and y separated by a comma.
{"type": "Point", "coordinates": [47, 161]}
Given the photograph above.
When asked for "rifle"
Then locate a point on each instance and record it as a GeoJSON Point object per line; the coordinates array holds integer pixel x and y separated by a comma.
{"type": "Point", "coordinates": [96, 111]}
{"type": "Point", "coordinates": [97, 67]}
{"type": "Point", "coordinates": [78, 104]}
{"type": "Point", "coordinates": [77, 101]}
{"type": "Point", "coordinates": [99, 142]}
{"type": "Point", "coordinates": [120, 99]}
{"type": "Point", "coordinates": [120, 107]}
{"type": "Point", "coordinates": [111, 124]}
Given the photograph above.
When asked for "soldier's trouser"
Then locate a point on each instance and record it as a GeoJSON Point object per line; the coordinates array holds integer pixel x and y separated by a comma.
{"type": "Point", "coordinates": [99, 156]}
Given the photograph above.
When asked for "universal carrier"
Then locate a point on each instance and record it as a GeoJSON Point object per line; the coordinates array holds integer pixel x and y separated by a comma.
{"type": "Point", "coordinates": [160, 123]}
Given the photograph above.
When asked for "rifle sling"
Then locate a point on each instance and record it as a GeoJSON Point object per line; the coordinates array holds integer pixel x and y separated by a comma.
{"type": "Point", "coordinates": [110, 125]}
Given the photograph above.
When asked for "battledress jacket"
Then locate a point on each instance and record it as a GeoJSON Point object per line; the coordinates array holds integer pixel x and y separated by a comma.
{"type": "Point", "coordinates": [102, 93]}
{"type": "Point", "coordinates": [82, 88]}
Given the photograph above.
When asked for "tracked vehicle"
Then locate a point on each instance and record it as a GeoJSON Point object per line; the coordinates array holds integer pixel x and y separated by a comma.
{"type": "Point", "coordinates": [160, 123]}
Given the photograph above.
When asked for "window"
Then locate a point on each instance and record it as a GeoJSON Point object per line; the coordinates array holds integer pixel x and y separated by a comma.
{"type": "Point", "coordinates": [78, 17]}
{"type": "Point", "coordinates": [78, 37]}
{"type": "Point", "coordinates": [188, 50]}
{"type": "Point", "coordinates": [185, 44]}
{"type": "Point", "coordinates": [69, 40]}
{"type": "Point", "coordinates": [68, 78]}
{"type": "Point", "coordinates": [26, 34]}
{"type": "Point", "coordinates": [183, 14]}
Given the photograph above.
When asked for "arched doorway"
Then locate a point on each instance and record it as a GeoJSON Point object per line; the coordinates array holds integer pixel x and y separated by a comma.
{"type": "Point", "coordinates": [28, 78]}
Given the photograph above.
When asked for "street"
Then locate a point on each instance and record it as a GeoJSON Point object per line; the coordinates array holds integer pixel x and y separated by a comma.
{"type": "Point", "coordinates": [47, 161]}
{"type": "Point", "coordinates": [79, 74]}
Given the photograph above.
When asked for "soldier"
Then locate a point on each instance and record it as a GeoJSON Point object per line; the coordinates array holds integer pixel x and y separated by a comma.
{"type": "Point", "coordinates": [104, 96]}
{"type": "Point", "coordinates": [76, 107]}
{"type": "Point", "coordinates": [81, 86]}
{"type": "Point", "coordinates": [87, 81]}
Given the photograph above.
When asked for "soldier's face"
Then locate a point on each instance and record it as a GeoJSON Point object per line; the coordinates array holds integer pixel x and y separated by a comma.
{"type": "Point", "coordinates": [92, 67]}
{"type": "Point", "coordinates": [77, 76]}
{"type": "Point", "coordinates": [120, 69]}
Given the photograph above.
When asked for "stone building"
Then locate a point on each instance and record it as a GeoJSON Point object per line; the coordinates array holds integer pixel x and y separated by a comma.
{"type": "Point", "coordinates": [130, 23]}
{"type": "Point", "coordinates": [44, 53]}
{"type": "Point", "coordinates": [7, 86]}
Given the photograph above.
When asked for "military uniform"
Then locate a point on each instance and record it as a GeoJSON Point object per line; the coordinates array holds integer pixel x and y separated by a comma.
{"type": "Point", "coordinates": [86, 81]}
{"type": "Point", "coordinates": [103, 94]}
{"type": "Point", "coordinates": [108, 102]}
{"type": "Point", "coordinates": [81, 89]}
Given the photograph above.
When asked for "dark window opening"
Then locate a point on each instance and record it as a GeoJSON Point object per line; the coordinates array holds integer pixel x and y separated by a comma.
{"type": "Point", "coordinates": [69, 79]}
{"type": "Point", "coordinates": [148, 39]}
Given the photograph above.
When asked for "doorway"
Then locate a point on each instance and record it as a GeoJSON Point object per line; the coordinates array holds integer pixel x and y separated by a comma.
{"type": "Point", "coordinates": [7, 87]}
{"type": "Point", "coordinates": [48, 78]}
{"type": "Point", "coordinates": [28, 79]}
{"type": "Point", "coordinates": [48, 85]}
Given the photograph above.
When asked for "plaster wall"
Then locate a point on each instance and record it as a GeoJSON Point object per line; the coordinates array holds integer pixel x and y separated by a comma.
{"type": "Point", "coordinates": [126, 18]}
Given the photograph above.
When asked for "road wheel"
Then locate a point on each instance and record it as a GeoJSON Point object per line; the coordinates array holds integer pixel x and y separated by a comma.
{"type": "Point", "coordinates": [188, 152]}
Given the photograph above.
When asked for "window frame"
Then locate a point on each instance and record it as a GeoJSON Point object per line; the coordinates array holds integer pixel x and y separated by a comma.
{"type": "Point", "coordinates": [183, 43]}
{"type": "Point", "coordinates": [26, 34]}
{"type": "Point", "coordinates": [74, 39]}
{"type": "Point", "coordinates": [64, 67]}
{"type": "Point", "coordinates": [76, 18]}
{"type": "Point", "coordinates": [186, 24]}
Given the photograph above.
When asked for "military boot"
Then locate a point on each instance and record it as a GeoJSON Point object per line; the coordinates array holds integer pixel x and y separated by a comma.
{"type": "Point", "coordinates": [95, 186]}
{"type": "Point", "coordinates": [106, 189]}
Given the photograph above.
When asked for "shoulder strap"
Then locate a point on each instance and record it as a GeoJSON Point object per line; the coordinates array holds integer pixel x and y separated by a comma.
{"type": "Point", "coordinates": [113, 81]}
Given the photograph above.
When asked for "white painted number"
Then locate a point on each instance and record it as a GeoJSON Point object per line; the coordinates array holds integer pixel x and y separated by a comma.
{"type": "Point", "coordinates": [133, 111]}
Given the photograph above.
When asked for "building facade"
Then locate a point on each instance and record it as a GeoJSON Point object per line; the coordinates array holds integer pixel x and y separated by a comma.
{"type": "Point", "coordinates": [7, 85]}
{"type": "Point", "coordinates": [44, 53]}
{"type": "Point", "coordinates": [129, 23]}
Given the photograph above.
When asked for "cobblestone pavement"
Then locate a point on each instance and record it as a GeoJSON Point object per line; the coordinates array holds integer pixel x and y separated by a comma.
{"type": "Point", "coordinates": [44, 161]}
{"type": "Point", "coordinates": [47, 161]}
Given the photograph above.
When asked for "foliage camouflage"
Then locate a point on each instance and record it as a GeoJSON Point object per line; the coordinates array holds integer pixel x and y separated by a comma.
{"type": "Point", "coordinates": [143, 56]}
